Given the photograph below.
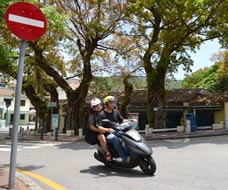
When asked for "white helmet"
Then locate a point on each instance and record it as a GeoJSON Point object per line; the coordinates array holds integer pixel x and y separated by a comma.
{"type": "Point", "coordinates": [94, 102]}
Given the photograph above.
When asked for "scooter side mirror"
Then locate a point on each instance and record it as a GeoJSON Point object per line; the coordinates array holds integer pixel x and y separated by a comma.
{"type": "Point", "coordinates": [124, 126]}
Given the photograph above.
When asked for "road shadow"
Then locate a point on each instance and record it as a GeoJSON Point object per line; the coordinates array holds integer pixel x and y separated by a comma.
{"type": "Point", "coordinates": [30, 167]}
{"type": "Point", "coordinates": [104, 171]}
{"type": "Point", "coordinates": [185, 142]}
{"type": "Point", "coordinates": [4, 187]}
{"type": "Point", "coordinates": [168, 143]}
{"type": "Point", "coordinates": [75, 146]}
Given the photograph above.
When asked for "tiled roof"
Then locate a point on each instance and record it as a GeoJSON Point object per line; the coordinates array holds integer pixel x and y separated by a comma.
{"type": "Point", "coordinates": [8, 93]}
{"type": "Point", "coordinates": [209, 99]}
{"type": "Point", "coordinates": [175, 97]}
{"type": "Point", "coordinates": [139, 97]}
{"type": "Point", "coordinates": [184, 95]}
{"type": "Point", "coordinates": [195, 97]}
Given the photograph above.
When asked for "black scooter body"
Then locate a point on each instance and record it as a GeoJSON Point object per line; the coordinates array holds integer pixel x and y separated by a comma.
{"type": "Point", "coordinates": [135, 147]}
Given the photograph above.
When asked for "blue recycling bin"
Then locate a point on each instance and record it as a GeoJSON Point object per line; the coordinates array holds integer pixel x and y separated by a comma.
{"type": "Point", "coordinates": [192, 118]}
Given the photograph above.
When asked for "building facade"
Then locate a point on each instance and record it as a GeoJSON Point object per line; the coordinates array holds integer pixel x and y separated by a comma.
{"type": "Point", "coordinates": [208, 108]}
{"type": "Point", "coordinates": [7, 101]}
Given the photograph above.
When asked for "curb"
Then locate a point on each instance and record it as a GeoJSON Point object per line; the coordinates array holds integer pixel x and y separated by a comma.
{"type": "Point", "coordinates": [182, 136]}
{"type": "Point", "coordinates": [22, 177]}
{"type": "Point", "coordinates": [28, 181]}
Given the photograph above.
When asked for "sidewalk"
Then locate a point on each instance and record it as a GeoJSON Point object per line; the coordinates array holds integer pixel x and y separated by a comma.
{"type": "Point", "coordinates": [179, 135]}
{"type": "Point", "coordinates": [23, 182]}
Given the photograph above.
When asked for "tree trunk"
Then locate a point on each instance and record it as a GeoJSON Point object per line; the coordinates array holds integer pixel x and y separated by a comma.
{"type": "Point", "coordinates": [156, 93]}
{"type": "Point", "coordinates": [75, 119]}
{"type": "Point", "coordinates": [127, 96]}
{"type": "Point", "coordinates": [39, 104]}
{"type": "Point", "coordinates": [156, 116]}
{"type": "Point", "coordinates": [75, 109]}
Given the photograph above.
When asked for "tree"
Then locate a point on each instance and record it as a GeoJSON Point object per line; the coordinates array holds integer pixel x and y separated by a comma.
{"type": "Point", "coordinates": [90, 23]}
{"type": "Point", "coordinates": [167, 30]}
{"type": "Point", "coordinates": [35, 86]}
{"type": "Point", "coordinates": [221, 76]}
{"type": "Point", "coordinates": [123, 63]}
{"type": "Point", "coordinates": [8, 67]}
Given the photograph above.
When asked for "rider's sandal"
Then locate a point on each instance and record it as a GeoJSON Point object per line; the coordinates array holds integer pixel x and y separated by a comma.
{"type": "Point", "coordinates": [108, 156]}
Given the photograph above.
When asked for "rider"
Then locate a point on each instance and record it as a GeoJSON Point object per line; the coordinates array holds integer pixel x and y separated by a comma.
{"type": "Point", "coordinates": [112, 114]}
{"type": "Point", "coordinates": [96, 107]}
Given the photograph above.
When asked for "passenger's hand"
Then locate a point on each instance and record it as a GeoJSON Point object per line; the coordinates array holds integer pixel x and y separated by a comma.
{"type": "Point", "coordinates": [111, 130]}
{"type": "Point", "coordinates": [133, 120]}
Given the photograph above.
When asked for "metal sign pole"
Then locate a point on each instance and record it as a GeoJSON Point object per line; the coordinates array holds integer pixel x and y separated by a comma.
{"type": "Point", "coordinates": [13, 154]}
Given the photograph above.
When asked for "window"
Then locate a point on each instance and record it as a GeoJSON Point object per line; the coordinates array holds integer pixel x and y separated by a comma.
{"type": "Point", "coordinates": [8, 101]}
{"type": "Point", "coordinates": [22, 102]}
{"type": "Point", "coordinates": [22, 116]}
{"type": "Point", "coordinates": [2, 85]}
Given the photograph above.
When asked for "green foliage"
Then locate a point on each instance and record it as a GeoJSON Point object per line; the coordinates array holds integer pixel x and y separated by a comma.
{"type": "Point", "coordinates": [56, 20]}
{"type": "Point", "coordinates": [105, 85]}
{"type": "Point", "coordinates": [6, 65]}
{"type": "Point", "coordinates": [100, 86]}
{"type": "Point", "coordinates": [221, 85]}
{"type": "Point", "coordinates": [207, 79]}
{"type": "Point", "coordinates": [3, 6]}
{"type": "Point", "coordinates": [116, 83]}
{"type": "Point", "coordinates": [195, 80]}
{"type": "Point", "coordinates": [3, 54]}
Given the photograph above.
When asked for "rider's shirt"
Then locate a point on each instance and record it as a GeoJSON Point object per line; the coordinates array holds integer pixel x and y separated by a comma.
{"type": "Point", "coordinates": [114, 116]}
{"type": "Point", "coordinates": [93, 120]}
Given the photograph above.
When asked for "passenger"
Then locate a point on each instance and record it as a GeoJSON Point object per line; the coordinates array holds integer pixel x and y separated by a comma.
{"type": "Point", "coordinates": [96, 107]}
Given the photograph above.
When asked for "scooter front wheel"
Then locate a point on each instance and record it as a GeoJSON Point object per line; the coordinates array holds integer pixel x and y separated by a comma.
{"type": "Point", "coordinates": [147, 165]}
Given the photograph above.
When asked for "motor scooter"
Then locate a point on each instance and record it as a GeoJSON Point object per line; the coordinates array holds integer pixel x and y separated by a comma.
{"type": "Point", "coordinates": [134, 145]}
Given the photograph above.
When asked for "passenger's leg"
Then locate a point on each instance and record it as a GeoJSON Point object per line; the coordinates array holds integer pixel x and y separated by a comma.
{"type": "Point", "coordinates": [104, 145]}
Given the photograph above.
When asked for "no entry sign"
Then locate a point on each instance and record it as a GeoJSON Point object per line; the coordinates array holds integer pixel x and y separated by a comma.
{"type": "Point", "coordinates": [26, 21]}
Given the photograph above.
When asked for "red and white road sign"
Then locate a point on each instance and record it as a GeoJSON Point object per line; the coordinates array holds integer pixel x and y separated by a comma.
{"type": "Point", "coordinates": [26, 21]}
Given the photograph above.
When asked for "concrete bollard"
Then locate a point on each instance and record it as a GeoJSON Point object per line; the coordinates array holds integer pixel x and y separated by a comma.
{"type": "Point", "coordinates": [41, 133]}
{"type": "Point", "coordinates": [56, 133]}
{"type": "Point", "coordinates": [80, 134]}
{"type": "Point", "coordinates": [226, 124]}
{"type": "Point", "coordinates": [147, 130]}
{"type": "Point", "coordinates": [22, 132]}
{"type": "Point", "coordinates": [10, 131]}
{"type": "Point", "coordinates": [188, 126]}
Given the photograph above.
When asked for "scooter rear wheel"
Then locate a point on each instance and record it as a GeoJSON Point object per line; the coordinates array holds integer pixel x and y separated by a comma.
{"type": "Point", "coordinates": [147, 165]}
{"type": "Point", "coordinates": [99, 156]}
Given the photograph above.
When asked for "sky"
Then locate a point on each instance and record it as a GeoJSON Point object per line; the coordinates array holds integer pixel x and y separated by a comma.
{"type": "Point", "coordinates": [201, 58]}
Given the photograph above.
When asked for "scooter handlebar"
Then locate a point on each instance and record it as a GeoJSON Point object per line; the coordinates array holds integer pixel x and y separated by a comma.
{"type": "Point", "coordinates": [120, 127]}
{"type": "Point", "coordinates": [107, 123]}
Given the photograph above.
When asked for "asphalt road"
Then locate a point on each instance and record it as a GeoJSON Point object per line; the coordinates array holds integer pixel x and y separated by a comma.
{"type": "Point", "coordinates": [184, 164]}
